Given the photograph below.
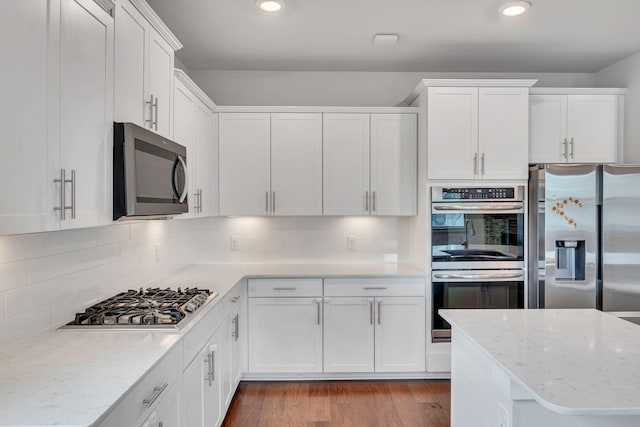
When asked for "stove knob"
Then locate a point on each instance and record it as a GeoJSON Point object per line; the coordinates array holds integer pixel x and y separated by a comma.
{"type": "Point", "coordinates": [190, 307]}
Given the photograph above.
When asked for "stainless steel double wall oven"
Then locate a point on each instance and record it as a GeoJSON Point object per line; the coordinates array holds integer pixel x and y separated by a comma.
{"type": "Point", "coordinates": [477, 247]}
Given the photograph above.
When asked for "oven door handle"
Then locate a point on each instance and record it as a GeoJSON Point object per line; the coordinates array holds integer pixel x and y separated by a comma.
{"type": "Point", "coordinates": [484, 207]}
{"type": "Point", "coordinates": [478, 276]}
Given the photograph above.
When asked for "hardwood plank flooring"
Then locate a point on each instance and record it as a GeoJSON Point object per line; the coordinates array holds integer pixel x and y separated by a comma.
{"type": "Point", "coordinates": [423, 403]}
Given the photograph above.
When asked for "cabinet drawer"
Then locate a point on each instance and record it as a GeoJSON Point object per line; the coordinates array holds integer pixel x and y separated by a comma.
{"type": "Point", "coordinates": [285, 288]}
{"type": "Point", "coordinates": [232, 297]}
{"type": "Point", "coordinates": [392, 286]}
{"type": "Point", "coordinates": [153, 387]}
{"type": "Point", "coordinates": [201, 332]}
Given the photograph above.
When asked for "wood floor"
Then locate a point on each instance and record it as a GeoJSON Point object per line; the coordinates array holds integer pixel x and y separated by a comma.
{"type": "Point", "coordinates": [341, 403]}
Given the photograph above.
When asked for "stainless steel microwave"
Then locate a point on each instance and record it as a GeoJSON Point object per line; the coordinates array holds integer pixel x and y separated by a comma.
{"type": "Point", "coordinates": [149, 174]}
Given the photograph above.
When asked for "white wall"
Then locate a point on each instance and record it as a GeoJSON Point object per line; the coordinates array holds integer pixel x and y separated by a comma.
{"type": "Point", "coordinates": [341, 88]}
{"type": "Point", "coordinates": [45, 278]}
{"type": "Point", "coordinates": [626, 73]}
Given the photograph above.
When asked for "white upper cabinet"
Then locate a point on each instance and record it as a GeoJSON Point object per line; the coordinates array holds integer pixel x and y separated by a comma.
{"type": "Point", "coordinates": [296, 164]}
{"type": "Point", "coordinates": [477, 133]}
{"type": "Point", "coordinates": [270, 164]}
{"type": "Point", "coordinates": [394, 164]}
{"type": "Point", "coordinates": [370, 164]}
{"type": "Point", "coordinates": [245, 187]}
{"type": "Point", "coordinates": [194, 124]}
{"type": "Point", "coordinates": [346, 163]}
{"type": "Point", "coordinates": [57, 114]}
{"type": "Point", "coordinates": [575, 127]}
{"type": "Point", "coordinates": [144, 67]}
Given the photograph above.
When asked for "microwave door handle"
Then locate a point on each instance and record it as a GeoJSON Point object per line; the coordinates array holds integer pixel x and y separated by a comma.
{"type": "Point", "coordinates": [174, 189]}
{"type": "Point", "coordinates": [185, 190]}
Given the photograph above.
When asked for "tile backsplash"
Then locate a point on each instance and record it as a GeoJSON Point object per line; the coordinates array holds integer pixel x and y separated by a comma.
{"type": "Point", "coordinates": [45, 278]}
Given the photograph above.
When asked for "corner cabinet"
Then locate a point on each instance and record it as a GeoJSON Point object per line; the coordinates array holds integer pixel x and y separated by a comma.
{"type": "Point", "coordinates": [370, 164]}
{"type": "Point", "coordinates": [144, 64]}
{"type": "Point", "coordinates": [578, 126]}
{"type": "Point", "coordinates": [195, 126]}
{"type": "Point", "coordinates": [477, 132]}
{"type": "Point", "coordinates": [270, 164]}
{"type": "Point", "coordinates": [57, 114]}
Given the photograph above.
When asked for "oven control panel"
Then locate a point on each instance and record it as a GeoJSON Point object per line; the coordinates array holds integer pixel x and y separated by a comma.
{"type": "Point", "coordinates": [479, 193]}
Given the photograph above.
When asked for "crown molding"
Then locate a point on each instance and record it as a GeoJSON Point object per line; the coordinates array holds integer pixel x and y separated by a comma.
{"type": "Point", "coordinates": [194, 88]}
{"type": "Point", "coordinates": [155, 21]}
{"type": "Point", "coordinates": [106, 5]}
{"type": "Point", "coordinates": [423, 84]}
{"type": "Point", "coordinates": [314, 109]}
{"type": "Point", "coordinates": [577, 91]}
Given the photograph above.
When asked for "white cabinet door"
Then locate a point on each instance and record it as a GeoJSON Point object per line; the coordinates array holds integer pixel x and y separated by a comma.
{"type": "Point", "coordinates": [346, 164]}
{"type": "Point", "coordinates": [400, 334]}
{"type": "Point", "coordinates": [184, 127]}
{"type": "Point", "coordinates": [195, 381]}
{"type": "Point", "coordinates": [503, 132]}
{"type": "Point", "coordinates": [231, 354]}
{"type": "Point", "coordinates": [205, 160]}
{"type": "Point", "coordinates": [394, 164]}
{"type": "Point", "coordinates": [592, 128]}
{"type": "Point", "coordinates": [285, 334]}
{"type": "Point", "coordinates": [213, 410]}
{"type": "Point", "coordinates": [31, 160]}
{"type": "Point", "coordinates": [296, 164]}
{"type": "Point", "coordinates": [131, 83]}
{"type": "Point", "coordinates": [452, 132]}
{"type": "Point", "coordinates": [348, 334]}
{"type": "Point", "coordinates": [547, 128]}
{"type": "Point", "coordinates": [86, 110]}
{"type": "Point", "coordinates": [167, 413]}
{"type": "Point", "coordinates": [161, 61]}
{"type": "Point", "coordinates": [244, 163]}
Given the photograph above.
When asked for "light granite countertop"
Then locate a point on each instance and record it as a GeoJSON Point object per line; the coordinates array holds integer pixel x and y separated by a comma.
{"type": "Point", "coordinates": [573, 361]}
{"type": "Point", "coordinates": [73, 378]}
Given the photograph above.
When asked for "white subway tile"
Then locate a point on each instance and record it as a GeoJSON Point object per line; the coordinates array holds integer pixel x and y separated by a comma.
{"type": "Point", "coordinates": [41, 269]}
{"type": "Point", "coordinates": [13, 275]}
{"type": "Point", "coordinates": [100, 255]}
{"type": "Point", "coordinates": [112, 234]}
{"type": "Point", "coordinates": [72, 240]}
{"type": "Point", "coordinates": [27, 324]}
{"type": "Point", "coordinates": [63, 311]}
{"type": "Point", "coordinates": [23, 246]}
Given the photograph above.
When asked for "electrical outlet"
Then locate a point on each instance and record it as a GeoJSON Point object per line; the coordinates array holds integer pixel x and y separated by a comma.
{"type": "Point", "coordinates": [234, 243]}
{"type": "Point", "coordinates": [351, 243]}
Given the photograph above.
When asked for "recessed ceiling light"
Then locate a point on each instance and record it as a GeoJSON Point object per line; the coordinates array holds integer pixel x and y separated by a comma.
{"type": "Point", "coordinates": [514, 8]}
{"type": "Point", "coordinates": [385, 40]}
{"type": "Point", "coordinates": [269, 5]}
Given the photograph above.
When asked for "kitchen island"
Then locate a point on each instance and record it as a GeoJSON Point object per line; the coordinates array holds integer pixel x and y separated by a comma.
{"type": "Point", "coordinates": [526, 368]}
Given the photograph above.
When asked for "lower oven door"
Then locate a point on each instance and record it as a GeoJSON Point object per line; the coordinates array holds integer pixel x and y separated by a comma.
{"type": "Point", "coordinates": [473, 289]}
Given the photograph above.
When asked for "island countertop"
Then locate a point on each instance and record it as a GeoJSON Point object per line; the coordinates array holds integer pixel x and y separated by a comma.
{"type": "Point", "coordinates": [573, 361]}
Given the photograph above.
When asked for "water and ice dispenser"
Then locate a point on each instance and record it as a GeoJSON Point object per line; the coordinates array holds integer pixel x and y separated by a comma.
{"type": "Point", "coordinates": [570, 260]}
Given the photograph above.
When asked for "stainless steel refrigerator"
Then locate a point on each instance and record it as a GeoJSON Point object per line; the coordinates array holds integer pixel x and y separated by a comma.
{"type": "Point", "coordinates": [584, 237]}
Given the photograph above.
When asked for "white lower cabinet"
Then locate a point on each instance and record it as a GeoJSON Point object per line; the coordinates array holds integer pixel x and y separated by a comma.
{"type": "Point", "coordinates": [232, 343]}
{"type": "Point", "coordinates": [285, 325]}
{"type": "Point", "coordinates": [167, 413]}
{"type": "Point", "coordinates": [202, 405]}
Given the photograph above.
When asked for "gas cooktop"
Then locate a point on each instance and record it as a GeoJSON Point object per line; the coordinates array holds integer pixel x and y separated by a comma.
{"type": "Point", "coordinates": [151, 308]}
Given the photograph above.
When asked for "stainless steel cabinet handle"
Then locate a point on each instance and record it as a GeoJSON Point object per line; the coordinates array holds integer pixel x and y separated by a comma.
{"type": "Point", "coordinates": [236, 329]}
{"type": "Point", "coordinates": [285, 289]}
{"type": "Point", "coordinates": [482, 164]}
{"type": "Point", "coordinates": [273, 202]}
{"type": "Point", "coordinates": [571, 144]}
{"type": "Point", "coordinates": [373, 202]}
{"type": "Point", "coordinates": [318, 301]}
{"type": "Point", "coordinates": [564, 148]}
{"type": "Point", "coordinates": [155, 107]}
{"type": "Point", "coordinates": [370, 311]}
{"type": "Point", "coordinates": [213, 364]}
{"type": "Point", "coordinates": [62, 180]}
{"type": "Point", "coordinates": [379, 300]}
{"type": "Point", "coordinates": [366, 201]}
{"type": "Point", "coordinates": [73, 194]}
{"type": "Point", "coordinates": [475, 164]}
{"type": "Point", "coordinates": [266, 201]}
{"type": "Point", "coordinates": [375, 288]}
{"type": "Point", "coordinates": [208, 378]}
{"type": "Point", "coordinates": [157, 391]}
{"type": "Point", "coordinates": [150, 119]}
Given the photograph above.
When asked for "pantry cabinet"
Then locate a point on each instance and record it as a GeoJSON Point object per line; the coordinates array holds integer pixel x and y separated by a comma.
{"type": "Point", "coordinates": [58, 114]}
{"type": "Point", "coordinates": [194, 124]}
{"type": "Point", "coordinates": [144, 64]}
{"type": "Point", "coordinates": [370, 164]}
{"type": "Point", "coordinates": [285, 325]}
{"type": "Point", "coordinates": [576, 127]}
{"type": "Point", "coordinates": [477, 132]}
{"type": "Point", "coordinates": [270, 164]}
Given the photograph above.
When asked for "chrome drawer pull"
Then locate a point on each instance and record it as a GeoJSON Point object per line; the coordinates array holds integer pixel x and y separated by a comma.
{"type": "Point", "coordinates": [285, 289]}
{"type": "Point", "coordinates": [374, 288]}
{"type": "Point", "coordinates": [157, 391]}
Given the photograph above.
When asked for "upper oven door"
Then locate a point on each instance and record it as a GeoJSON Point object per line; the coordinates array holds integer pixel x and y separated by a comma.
{"type": "Point", "coordinates": [477, 234]}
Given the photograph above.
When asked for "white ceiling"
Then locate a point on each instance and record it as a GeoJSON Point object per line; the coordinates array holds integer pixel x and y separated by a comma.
{"type": "Point", "coordinates": [435, 35]}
